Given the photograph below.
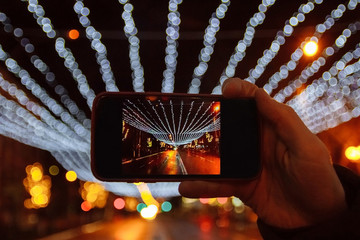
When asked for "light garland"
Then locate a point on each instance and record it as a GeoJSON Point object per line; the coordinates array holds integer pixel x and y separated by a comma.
{"type": "Point", "coordinates": [332, 99]}
{"type": "Point", "coordinates": [298, 53]}
{"type": "Point", "coordinates": [73, 67]}
{"type": "Point", "coordinates": [317, 64]}
{"type": "Point", "coordinates": [41, 94]}
{"type": "Point", "coordinates": [96, 44]}
{"type": "Point", "coordinates": [134, 46]}
{"type": "Point", "coordinates": [63, 130]}
{"type": "Point", "coordinates": [240, 50]}
{"type": "Point", "coordinates": [208, 49]}
{"type": "Point", "coordinates": [270, 53]}
{"type": "Point", "coordinates": [39, 64]}
{"type": "Point", "coordinates": [39, 14]}
{"type": "Point", "coordinates": [172, 34]}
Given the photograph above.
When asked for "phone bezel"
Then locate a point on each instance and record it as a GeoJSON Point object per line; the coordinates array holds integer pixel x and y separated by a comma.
{"type": "Point", "coordinates": [168, 178]}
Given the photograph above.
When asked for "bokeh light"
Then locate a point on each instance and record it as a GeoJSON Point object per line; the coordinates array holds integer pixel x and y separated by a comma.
{"type": "Point", "coordinates": [38, 186]}
{"type": "Point", "coordinates": [166, 206]}
{"type": "Point", "coordinates": [353, 153]}
{"type": "Point", "coordinates": [73, 34]}
{"type": "Point", "coordinates": [140, 207]}
{"type": "Point", "coordinates": [310, 48]}
{"type": "Point", "coordinates": [86, 206]}
{"type": "Point", "coordinates": [71, 176]}
{"type": "Point", "coordinates": [119, 203]}
{"type": "Point", "coordinates": [93, 193]}
{"type": "Point", "coordinates": [149, 212]}
{"type": "Point", "coordinates": [54, 170]}
{"type": "Point", "coordinates": [222, 200]}
{"type": "Point", "coordinates": [63, 129]}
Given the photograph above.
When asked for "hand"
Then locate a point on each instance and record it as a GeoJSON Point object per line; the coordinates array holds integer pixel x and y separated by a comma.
{"type": "Point", "coordinates": [297, 185]}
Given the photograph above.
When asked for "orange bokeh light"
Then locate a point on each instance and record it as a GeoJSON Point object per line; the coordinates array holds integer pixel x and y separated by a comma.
{"type": "Point", "coordinates": [353, 153]}
{"type": "Point", "coordinates": [73, 34]}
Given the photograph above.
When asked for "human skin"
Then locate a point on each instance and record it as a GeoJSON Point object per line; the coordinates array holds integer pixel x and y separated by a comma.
{"type": "Point", "coordinates": [298, 185]}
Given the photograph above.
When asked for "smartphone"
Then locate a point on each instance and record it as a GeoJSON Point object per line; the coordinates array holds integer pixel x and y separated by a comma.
{"type": "Point", "coordinates": [152, 137]}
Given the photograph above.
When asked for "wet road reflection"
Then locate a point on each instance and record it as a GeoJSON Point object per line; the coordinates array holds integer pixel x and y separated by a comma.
{"type": "Point", "coordinates": [174, 162]}
{"type": "Point", "coordinates": [163, 228]}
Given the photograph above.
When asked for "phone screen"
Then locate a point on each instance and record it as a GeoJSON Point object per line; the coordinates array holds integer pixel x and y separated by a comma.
{"type": "Point", "coordinates": [163, 136]}
{"type": "Point", "coordinates": [169, 136]}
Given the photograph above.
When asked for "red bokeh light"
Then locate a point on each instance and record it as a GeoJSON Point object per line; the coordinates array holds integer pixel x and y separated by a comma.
{"type": "Point", "coordinates": [86, 206]}
{"type": "Point", "coordinates": [119, 203]}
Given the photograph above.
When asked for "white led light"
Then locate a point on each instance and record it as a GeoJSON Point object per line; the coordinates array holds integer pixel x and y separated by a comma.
{"type": "Point", "coordinates": [172, 34]}
{"type": "Point", "coordinates": [239, 51]}
{"type": "Point", "coordinates": [72, 66]}
{"type": "Point", "coordinates": [334, 98]}
{"type": "Point", "coordinates": [134, 47]}
{"type": "Point", "coordinates": [39, 13]}
{"type": "Point", "coordinates": [327, 102]}
{"type": "Point", "coordinates": [97, 45]}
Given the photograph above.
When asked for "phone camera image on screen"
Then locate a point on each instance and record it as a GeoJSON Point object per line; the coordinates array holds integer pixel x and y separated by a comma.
{"type": "Point", "coordinates": [163, 136]}
{"type": "Point", "coordinates": [171, 137]}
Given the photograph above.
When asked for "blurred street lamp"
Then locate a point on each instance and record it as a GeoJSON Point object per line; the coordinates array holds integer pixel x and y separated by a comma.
{"type": "Point", "coordinates": [353, 153]}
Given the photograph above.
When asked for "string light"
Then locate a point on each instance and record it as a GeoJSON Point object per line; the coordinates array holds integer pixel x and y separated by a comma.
{"type": "Point", "coordinates": [64, 131]}
{"type": "Point", "coordinates": [39, 14]}
{"type": "Point", "coordinates": [71, 64]}
{"type": "Point", "coordinates": [209, 42]}
{"type": "Point", "coordinates": [339, 93]}
{"type": "Point", "coordinates": [240, 50]}
{"type": "Point", "coordinates": [39, 11]}
{"type": "Point", "coordinates": [172, 34]}
{"type": "Point", "coordinates": [134, 46]}
{"type": "Point", "coordinates": [96, 44]}
{"type": "Point", "coordinates": [45, 70]}
{"type": "Point", "coordinates": [315, 66]}
{"type": "Point", "coordinates": [287, 31]}
{"type": "Point", "coordinates": [274, 80]}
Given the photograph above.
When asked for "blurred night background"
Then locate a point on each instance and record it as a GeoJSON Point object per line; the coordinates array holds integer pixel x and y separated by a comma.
{"type": "Point", "coordinates": [56, 56]}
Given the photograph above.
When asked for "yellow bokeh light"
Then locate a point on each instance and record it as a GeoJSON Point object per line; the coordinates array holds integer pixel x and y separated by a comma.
{"type": "Point", "coordinates": [71, 176]}
{"type": "Point", "coordinates": [146, 195]}
{"type": "Point", "coordinates": [40, 200]}
{"type": "Point", "coordinates": [91, 197]}
{"type": "Point", "coordinates": [131, 204]}
{"type": "Point", "coordinates": [36, 190]}
{"type": "Point", "coordinates": [310, 48]}
{"type": "Point", "coordinates": [38, 186]}
{"type": "Point", "coordinates": [36, 174]}
{"type": "Point", "coordinates": [353, 153]}
{"type": "Point", "coordinates": [93, 193]}
{"type": "Point", "coordinates": [54, 170]}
